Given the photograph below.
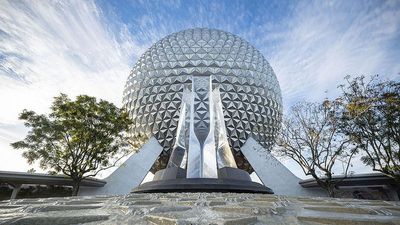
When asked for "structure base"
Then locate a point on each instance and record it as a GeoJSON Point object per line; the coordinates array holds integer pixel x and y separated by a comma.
{"type": "Point", "coordinates": [202, 185]}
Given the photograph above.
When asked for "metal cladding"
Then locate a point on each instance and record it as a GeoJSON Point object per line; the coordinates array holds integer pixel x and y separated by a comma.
{"type": "Point", "coordinates": [249, 91]}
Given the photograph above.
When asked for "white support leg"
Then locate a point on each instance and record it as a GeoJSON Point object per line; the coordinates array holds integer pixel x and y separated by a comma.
{"type": "Point", "coordinates": [16, 189]}
{"type": "Point", "coordinates": [273, 173]}
{"type": "Point", "coordinates": [130, 174]}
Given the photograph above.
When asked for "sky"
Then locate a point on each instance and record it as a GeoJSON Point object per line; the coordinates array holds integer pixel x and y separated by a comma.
{"type": "Point", "coordinates": [88, 47]}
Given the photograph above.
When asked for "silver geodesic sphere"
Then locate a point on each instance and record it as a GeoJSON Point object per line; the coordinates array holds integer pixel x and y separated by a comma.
{"type": "Point", "coordinates": [250, 92]}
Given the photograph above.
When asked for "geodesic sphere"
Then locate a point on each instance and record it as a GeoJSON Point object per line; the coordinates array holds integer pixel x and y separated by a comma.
{"type": "Point", "coordinates": [250, 92]}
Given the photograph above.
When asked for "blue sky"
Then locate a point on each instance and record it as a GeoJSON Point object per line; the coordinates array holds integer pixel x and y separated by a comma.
{"type": "Point", "coordinates": [89, 47]}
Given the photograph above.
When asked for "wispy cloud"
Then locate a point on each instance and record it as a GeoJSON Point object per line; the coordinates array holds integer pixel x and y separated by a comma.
{"type": "Point", "coordinates": [52, 47]}
{"type": "Point", "coordinates": [327, 40]}
{"type": "Point", "coordinates": [55, 47]}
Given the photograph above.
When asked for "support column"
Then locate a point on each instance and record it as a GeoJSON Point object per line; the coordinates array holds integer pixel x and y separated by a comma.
{"type": "Point", "coordinates": [202, 162]}
{"type": "Point", "coordinates": [16, 189]}
{"type": "Point", "coordinates": [130, 174]}
{"type": "Point", "coordinates": [176, 167]}
{"type": "Point", "coordinates": [272, 172]}
{"type": "Point", "coordinates": [224, 153]}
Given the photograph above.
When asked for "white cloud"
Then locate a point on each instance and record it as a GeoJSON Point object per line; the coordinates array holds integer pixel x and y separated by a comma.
{"type": "Point", "coordinates": [326, 41]}
{"type": "Point", "coordinates": [55, 47]}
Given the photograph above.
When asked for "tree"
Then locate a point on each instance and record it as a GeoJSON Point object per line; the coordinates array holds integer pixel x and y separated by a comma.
{"type": "Point", "coordinates": [79, 138]}
{"type": "Point", "coordinates": [137, 140]}
{"type": "Point", "coordinates": [31, 170]}
{"type": "Point", "coordinates": [311, 136]}
{"type": "Point", "coordinates": [372, 118]}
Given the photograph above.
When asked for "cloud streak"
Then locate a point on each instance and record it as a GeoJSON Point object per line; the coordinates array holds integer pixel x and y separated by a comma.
{"type": "Point", "coordinates": [59, 47]}
{"type": "Point", "coordinates": [55, 47]}
{"type": "Point", "coordinates": [325, 42]}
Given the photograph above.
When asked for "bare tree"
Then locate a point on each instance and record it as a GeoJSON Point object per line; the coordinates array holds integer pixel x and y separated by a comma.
{"type": "Point", "coordinates": [311, 136]}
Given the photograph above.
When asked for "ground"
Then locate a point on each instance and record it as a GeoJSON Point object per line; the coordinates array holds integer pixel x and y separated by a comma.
{"type": "Point", "coordinates": [197, 208]}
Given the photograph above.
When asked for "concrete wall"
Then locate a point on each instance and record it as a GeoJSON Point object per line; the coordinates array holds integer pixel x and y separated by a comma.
{"type": "Point", "coordinates": [273, 173]}
{"type": "Point", "coordinates": [130, 174]}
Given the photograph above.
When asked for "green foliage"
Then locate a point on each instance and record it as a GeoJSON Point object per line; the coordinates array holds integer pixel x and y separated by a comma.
{"type": "Point", "coordinates": [78, 138]}
{"type": "Point", "coordinates": [31, 170]}
{"type": "Point", "coordinates": [372, 118]}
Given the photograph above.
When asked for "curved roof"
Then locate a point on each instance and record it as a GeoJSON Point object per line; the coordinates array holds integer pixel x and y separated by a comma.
{"type": "Point", "coordinates": [355, 180]}
{"type": "Point", "coordinates": [45, 179]}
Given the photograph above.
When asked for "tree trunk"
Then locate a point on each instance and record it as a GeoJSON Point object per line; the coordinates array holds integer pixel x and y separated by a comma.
{"type": "Point", "coordinates": [396, 178]}
{"type": "Point", "coordinates": [75, 187]}
{"type": "Point", "coordinates": [331, 191]}
{"type": "Point", "coordinates": [322, 184]}
{"type": "Point", "coordinates": [330, 184]}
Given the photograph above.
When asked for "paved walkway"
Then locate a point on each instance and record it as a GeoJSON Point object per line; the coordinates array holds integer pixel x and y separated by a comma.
{"type": "Point", "coordinates": [197, 208]}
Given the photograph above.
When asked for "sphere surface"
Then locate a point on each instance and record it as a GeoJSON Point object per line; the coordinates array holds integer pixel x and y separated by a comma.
{"type": "Point", "coordinates": [250, 92]}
